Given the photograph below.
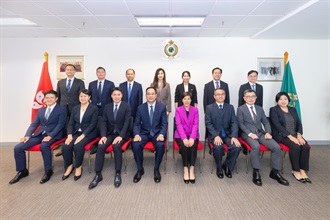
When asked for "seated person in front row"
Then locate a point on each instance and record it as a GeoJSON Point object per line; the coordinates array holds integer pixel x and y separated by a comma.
{"type": "Point", "coordinates": [150, 125]}
{"type": "Point", "coordinates": [251, 117]}
{"type": "Point", "coordinates": [287, 129]}
{"type": "Point", "coordinates": [186, 135]}
{"type": "Point", "coordinates": [81, 130]}
{"type": "Point", "coordinates": [222, 129]}
{"type": "Point", "coordinates": [115, 131]}
{"type": "Point", "coordinates": [51, 120]}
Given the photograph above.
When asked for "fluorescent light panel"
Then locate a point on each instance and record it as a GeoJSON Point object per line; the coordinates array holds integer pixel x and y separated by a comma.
{"type": "Point", "coordinates": [16, 22]}
{"type": "Point", "coordinates": [170, 21]}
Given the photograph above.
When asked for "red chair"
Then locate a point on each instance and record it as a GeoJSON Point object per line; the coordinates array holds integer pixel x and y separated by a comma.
{"type": "Point", "coordinates": [37, 148]}
{"type": "Point", "coordinates": [176, 148]}
{"type": "Point", "coordinates": [88, 148]}
{"type": "Point", "coordinates": [124, 147]}
{"type": "Point", "coordinates": [248, 147]}
{"type": "Point", "coordinates": [150, 146]}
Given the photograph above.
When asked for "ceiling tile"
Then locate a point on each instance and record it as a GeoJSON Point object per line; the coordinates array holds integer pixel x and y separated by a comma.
{"type": "Point", "coordinates": [149, 8]}
{"type": "Point", "coordinates": [119, 21]}
{"type": "Point", "coordinates": [222, 21]}
{"type": "Point", "coordinates": [107, 8]}
{"type": "Point", "coordinates": [64, 8]}
{"type": "Point", "coordinates": [97, 32]}
{"type": "Point", "coordinates": [24, 8]}
{"type": "Point", "coordinates": [242, 32]}
{"type": "Point", "coordinates": [83, 21]}
{"type": "Point", "coordinates": [128, 32]}
{"type": "Point", "coordinates": [257, 21]}
{"type": "Point", "coordinates": [234, 7]}
{"type": "Point", "coordinates": [49, 21]}
{"type": "Point", "coordinates": [191, 8]}
{"type": "Point", "coordinates": [213, 32]}
{"type": "Point", "coordinates": [277, 7]}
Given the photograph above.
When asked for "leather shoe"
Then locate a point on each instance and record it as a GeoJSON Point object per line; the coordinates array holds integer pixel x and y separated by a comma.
{"type": "Point", "coordinates": [78, 177]}
{"type": "Point", "coordinates": [46, 176]}
{"type": "Point", "coordinates": [302, 180]}
{"type": "Point", "coordinates": [227, 171]}
{"type": "Point", "coordinates": [117, 181]}
{"type": "Point", "coordinates": [185, 181]}
{"type": "Point", "coordinates": [279, 178]}
{"type": "Point", "coordinates": [64, 177]}
{"type": "Point", "coordinates": [138, 175]}
{"type": "Point", "coordinates": [98, 178]}
{"type": "Point", "coordinates": [157, 176]}
{"type": "Point", "coordinates": [19, 175]}
{"type": "Point", "coordinates": [308, 180]}
{"type": "Point", "coordinates": [58, 153]}
{"type": "Point", "coordinates": [220, 173]}
{"type": "Point", "coordinates": [257, 179]}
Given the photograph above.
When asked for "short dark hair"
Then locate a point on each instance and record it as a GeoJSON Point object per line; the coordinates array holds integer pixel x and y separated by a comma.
{"type": "Point", "coordinates": [100, 68]}
{"type": "Point", "coordinates": [151, 87]}
{"type": "Point", "coordinates": [186, 71]}
{"type": "Point", "coordinates": [217, 68]}
{"type": "Point", "coordinates": [130, 69]}
{"type": "Point", "coordinates": [85, 91]}
{"type": "Point", "coordinates": [50, 92]}
{"type": "Point", "coordinates": [252, 71]}
{"type": "Point", "coordinates": [116, 89]}
{"type": "Point", "coordinates": [74, 67]}
{"type": "Point", "coordinates": [249, 90]}
{"type": "Point", "coordinates": [219, 89]}
{"type": "Point", "coordinates": [278, 96]}
{"type": "Point", "coordinates": [186, 94]}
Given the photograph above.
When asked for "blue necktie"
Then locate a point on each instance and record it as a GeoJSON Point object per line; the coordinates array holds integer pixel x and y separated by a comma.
{"type": "Point", "coordinates": [68, 87]}
{"type": "Point", "coordinates": [115, 112]}
{"type": "Point", "coordinates": [151, 114]}
{"type": "Point", "coordinates": [129, 93]}
{"type": "Point", "coordinates": [47, 113]}
{"type": "Point", "coordinates": [217, 85]}
{"type": "Point", "coordinates": [253, 87]}
{"type": "Point", "coordinates": [223, 133]}
{"type": "Point", "coordinates": [99, 92]}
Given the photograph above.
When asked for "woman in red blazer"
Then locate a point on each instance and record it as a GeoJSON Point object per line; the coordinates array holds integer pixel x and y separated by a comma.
{"type": "Point", "coordinates": [186, 135]}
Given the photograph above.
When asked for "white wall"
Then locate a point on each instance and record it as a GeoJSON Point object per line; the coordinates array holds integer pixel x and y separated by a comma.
{"type": "Point", "coordinates": [21, 62]}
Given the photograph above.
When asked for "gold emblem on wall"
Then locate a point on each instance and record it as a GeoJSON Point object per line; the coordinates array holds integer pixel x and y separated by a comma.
{"type": "Point", "coordinates": [171, 49]}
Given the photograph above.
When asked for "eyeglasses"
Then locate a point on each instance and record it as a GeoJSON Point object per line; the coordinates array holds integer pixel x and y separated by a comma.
{"type": "Point", "coordinates": [251, 97]}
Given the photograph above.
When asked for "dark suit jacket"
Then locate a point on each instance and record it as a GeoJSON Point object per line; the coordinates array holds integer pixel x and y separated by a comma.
{"type": "Point", "coordinates": [159, 122]}
{"type": "Point", "coordinates": [53, 126]}
{"type": "Point", "coordinates": [88, 124]}
{"type": "Point", "coordinates": [105, 96]}
{"type": "Point", "coordinates": [216, 120]}
{"type": "Point", "coordinates": [186, 125]}
{"type": "Point", "coordinates": [278, 122]}
{"type": "Point", "coordinates": [121, 124]}
{"type": "Point", "coordinates": [248, 125]}
{"type": "Point", "coordinates": [246, 86]}
{"type": "Point", "coordinates": [209, 91]}
{"type": "Point", "coordinates": [136, 98]}
{"type": "Point", "coordinates": [70, 99]}
{"type": "Point", "coordinates": [180, 89]}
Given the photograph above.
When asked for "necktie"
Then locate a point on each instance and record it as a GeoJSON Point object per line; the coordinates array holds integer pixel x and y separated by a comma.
{"type": "Point", "coordinates": [68, 87]}
{"type": "Point", "coordinates": [217, 85]}
{"type": "Point", "coordinates": [115, 112]}
{"type": "Point", "coordinates": [253, 87]}
{"type": "Point", "coordinates": [99, 92]}
{"type": "Point", "coordinates": [151, 114]}
{"type": "Point", "coordinates": [129, 93]}
{"type": "Point", "coordinates": [254, 114]}
{"type": "Point", "coordinates": [223, 133]}
{"type": "Point", "coordinates": [47, 113]}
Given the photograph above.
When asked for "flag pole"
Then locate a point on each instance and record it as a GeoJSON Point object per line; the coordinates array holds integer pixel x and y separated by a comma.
{"type": "Point", "coordinates": [286, 57]}
{"type": "Point", "coordinates": [46, 56]}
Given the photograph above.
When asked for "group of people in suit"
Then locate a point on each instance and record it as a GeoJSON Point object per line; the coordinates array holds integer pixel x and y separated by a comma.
{"type": "Point", "coordinates": [115, 114]}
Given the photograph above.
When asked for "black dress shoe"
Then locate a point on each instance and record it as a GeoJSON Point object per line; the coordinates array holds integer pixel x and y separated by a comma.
{"type": "Point", "coordinates": [302, 180]}
{"type": "Point", "coordinates": [98, 178]}
{"type": "Point", "coordinates": [138, 175]}
{"type": "Point", "coordinates": [220, 173]}
{"type": "Point", "coordinates": [19, 175]}
{"type": "Point", "coordinates": [192, 181]}
{"type": "Point", "coordinates": [307, 180]}
{"type": "Point", "coordinates": [78, 177]}
{"type": "Point", "coordinates": [58, 153]}
{"type": "Point", "coordinates": [46, 176]}
{"type": "Point", "coordinates": [227, 171]}
{"type": "Point", "coordinates": [117, 181]}
{"type": "Point", "coordinates": [279, 178]}
{"type": "Point", "coordinates": [64, 177]}
{"type": "Point", "coordinates": [257, 179]}
{"type": "Point", "coordinates": [186, 181]}
{"type": "Point", "coordinates": [157, 176]}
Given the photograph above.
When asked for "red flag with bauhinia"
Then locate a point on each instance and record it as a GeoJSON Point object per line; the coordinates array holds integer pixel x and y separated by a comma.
{"type": "Point", "coordinates": [45, 84]}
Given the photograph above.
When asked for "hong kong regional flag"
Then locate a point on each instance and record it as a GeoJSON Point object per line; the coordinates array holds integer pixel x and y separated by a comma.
{"type": "Point", "coordinates": [45, 84]}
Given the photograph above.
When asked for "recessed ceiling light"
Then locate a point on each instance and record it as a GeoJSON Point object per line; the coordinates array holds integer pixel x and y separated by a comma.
{"type": "Point", "coordinates": [170, 21]}
{"type": "Point", "coordinates": [16, 22]}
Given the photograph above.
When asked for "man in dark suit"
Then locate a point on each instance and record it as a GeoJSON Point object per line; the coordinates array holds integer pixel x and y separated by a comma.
{"type": "Point", "coordinates": [101, 90]}
{"type": "Point", "coordinates": [222, 129]}
{"type": "Point", "coordinates": [150, 125]}
{"type": "Point", "coordinates": [132, 92]}
{"type": "Point", "coordinates": [252, 119]}
{"type": "Point", "coordinates": [214, 84]}
{"type": "Point", "coordinates": [251, 84]}
{"type": "Point", "coordinates": [115, 131]}
{"type": "Point", "coordinates": [51, 120]}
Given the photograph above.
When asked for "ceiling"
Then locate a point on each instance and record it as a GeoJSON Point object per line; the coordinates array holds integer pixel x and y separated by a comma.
{"type": "Point", "coordinates": [116, 18]}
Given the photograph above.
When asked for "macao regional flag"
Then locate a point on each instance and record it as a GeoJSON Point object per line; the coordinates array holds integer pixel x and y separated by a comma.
{"type": "Point", "coordinates": [45, 84]}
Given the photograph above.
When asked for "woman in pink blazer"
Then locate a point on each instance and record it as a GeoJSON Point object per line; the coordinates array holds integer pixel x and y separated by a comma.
{"type": "Point", "coordinates": [186, 135]}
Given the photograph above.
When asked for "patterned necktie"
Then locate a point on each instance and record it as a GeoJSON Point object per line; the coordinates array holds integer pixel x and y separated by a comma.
{"type": "Point", "coordinates": [99, 92]}
{"type": "Point", "coordinates": [217, 85]}
{"type": "Point", "coordinates": [129, 93]}
{"type": "Point", "coordinates": [223, 133]}
{"type": "Point", "coordinates": [253, 87]}
{"type": "Point", "coordinates": [151, 114]}
{"type": "Point", "coordinates": [47, 113]}
{"type": "Point", "coordinates": [68, 87]}
{"type": "Point", "coordinates": [253, 113]}
{"type": "Point", "coordinates": [115, 112]}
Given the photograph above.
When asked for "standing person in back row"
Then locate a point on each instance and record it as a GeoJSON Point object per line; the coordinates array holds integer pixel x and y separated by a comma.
{"type": "Point", "coordinates": [216, 83]}
{"type": "Point", "coordinates": [163, 89]}
{"type": "Point", "coordinates": [251, 84]}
